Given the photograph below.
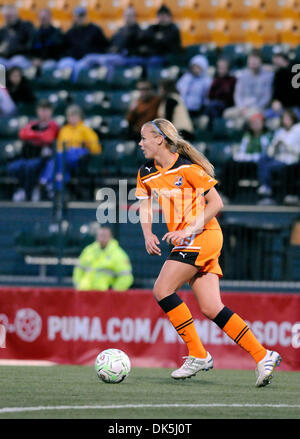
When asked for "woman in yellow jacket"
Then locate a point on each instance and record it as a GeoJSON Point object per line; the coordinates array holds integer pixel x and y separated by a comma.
{"type": "Point", "coordinates": [78, 140]}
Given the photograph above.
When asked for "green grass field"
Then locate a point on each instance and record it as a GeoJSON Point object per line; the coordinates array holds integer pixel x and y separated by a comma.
{"type": "Point", "coordinates": [221, 394]}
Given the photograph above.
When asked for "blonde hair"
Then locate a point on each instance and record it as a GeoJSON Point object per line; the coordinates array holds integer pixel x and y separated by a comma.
{"type": "Point", "coordinates": [177, 144]}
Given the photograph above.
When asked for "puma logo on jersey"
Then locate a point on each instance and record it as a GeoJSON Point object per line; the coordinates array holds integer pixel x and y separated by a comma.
{"type": "Point", "coordinates": [182, 254]}
{"type": "Point", "coordinates": [148, 169]}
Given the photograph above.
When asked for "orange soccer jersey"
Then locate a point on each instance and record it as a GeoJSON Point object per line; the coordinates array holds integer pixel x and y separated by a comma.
{"type": "Point", "coordinates": [180, 190]}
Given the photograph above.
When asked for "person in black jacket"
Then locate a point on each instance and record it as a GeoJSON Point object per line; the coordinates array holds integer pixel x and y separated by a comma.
{"type": "Point", "coordinates": [162, 38]}
{"type": "Point", "coordinates": [47, 41]}
{"type": "Point", "coordinates": [126, 40]}
{"type": "Point", "coordinates": [19, 87]}
{"type": "Point", "coordinates": [284, 94]}
{"type": "Point", "coordinates": [85, 46]}
{"type": "Point", "coordinates": [15, 39]}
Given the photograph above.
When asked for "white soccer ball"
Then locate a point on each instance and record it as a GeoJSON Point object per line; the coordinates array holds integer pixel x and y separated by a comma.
{"type": "Point", "coordinates": [112, 366]}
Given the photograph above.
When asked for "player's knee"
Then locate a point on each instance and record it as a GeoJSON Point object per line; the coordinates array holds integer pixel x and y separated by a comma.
{"type": "Point", "coordinates": [211, 311]}
{"type": "Point", "coordinates": [159, 291]}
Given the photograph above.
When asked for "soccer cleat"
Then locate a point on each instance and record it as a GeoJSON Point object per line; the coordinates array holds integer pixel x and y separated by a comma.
{"type": "Point", "coordinates": [191, 366]}
{"type": "Point", "coordinates": [265, 368]}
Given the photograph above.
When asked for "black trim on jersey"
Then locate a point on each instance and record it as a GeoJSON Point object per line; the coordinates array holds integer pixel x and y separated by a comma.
{"type": "Point", "coordinates": [182, 160]}
{"type": "Point", "coordinates": [144, 169]}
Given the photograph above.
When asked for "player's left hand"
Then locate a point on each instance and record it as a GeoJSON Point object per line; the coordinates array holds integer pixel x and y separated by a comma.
{"type": "Point", "coordinates": [173, 237]}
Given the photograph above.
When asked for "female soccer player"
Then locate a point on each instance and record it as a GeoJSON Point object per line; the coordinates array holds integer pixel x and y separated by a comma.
{"type": "Point", "coordinates": [182, 180]}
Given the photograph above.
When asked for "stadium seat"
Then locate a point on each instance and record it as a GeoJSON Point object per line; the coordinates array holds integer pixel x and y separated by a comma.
{"type": "Point", "coordinates": [125, 77]}
{"type": "Point", "coordinates": [109, 26]}
{"type": "Point", "coordinates": [53, 79]}
{"type": "Point", "coordinates": [268, 50]}
{"type": "Point", "coordinates": [229, 9]}
{"type": "Point", "coordinates": [290, 9]}
{"type": "Point", "coordinates": [10, 126]}
{"type": "Point", "coordinates": [114, 126]}
{"type": "Point", "coordinates": [200, 9]}
{"type": "Point", "coordinates": [93, 78]}
{"type": "Point", "coordinates": [290, 32]}
{"type": "Point", "coordinates": [265, 31]}
{"type": "Point", "coordinates": [103, 9]}
{"type": "Point", "coordinates": [196, 31]}
{"type": "Point", "coordinates": [233, 31]}
{"type": "Point", "coordinates": [117, 102]}
{"type": "Point", "coordinates": [209, 50]}
{"type": "Point", "coordinates": [266, 9]}
{"type": "Point", "coordinates": [147, 8]}
{"type": "Point", "coordinates": [224, 129]}
{"type": "Point", "coordinates": [155, 74]}
{"type": "Point", "coordinates": [92, 103]}
{"type": "Point", "coordinates": [237, 53]}
{"type": "Point", "coordinates": [9, 150]}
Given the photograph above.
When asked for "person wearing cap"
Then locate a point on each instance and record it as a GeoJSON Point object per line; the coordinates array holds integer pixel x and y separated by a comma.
{"type": "Point", "coordinates": [194, 85]}
{"type": "Point", "coordinates": [82, 40]}
{"type": "Point", "coordinates": [163, 37]}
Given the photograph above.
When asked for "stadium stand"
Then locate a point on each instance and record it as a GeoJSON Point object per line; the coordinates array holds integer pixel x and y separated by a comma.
{"type": "Point", "coordinates": [229, 28]}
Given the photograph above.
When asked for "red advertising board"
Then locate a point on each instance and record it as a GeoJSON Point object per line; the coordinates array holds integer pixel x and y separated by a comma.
{"type": "Point", "coordinates": [69, 327]}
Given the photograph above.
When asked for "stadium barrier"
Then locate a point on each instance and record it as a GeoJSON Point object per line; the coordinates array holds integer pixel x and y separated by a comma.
{"type": "Point", "coordinates": [70, 327]}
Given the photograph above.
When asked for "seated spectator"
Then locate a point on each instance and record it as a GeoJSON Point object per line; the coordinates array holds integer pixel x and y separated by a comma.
{"type": "Point", "coordinates": [253, 89]}
{"type": "Point", "coordinates": [243, 164]}
{"type": "Point", "coordinates": [173, 109]}
{"type": "Point", "coordinates": [78, 140]}
{"type": "Point", "coordinates": [38, 137]}
{"type": "Point", "coordinates": [84, 44]}
{"type": "Point", "coordinates": [103, 265]}
{"type": "Point", "coordinates": [18, 87]}
{"type": "Point", "coordinates": [7, 105]}
{"type": "Point", "coordinates": [162, 38]}
{"type": "Point", "coordinates": [47, 41]}
{"type": "Point", "coordinates": [193, 85]}
{"type": "Point", "coordinates": [282, 152]}
{"type": "Point", "coordinates": [126, 40]}
{"type": "Point", "coordinates": [143, 109]}
{"type": "Point", "coordinates": [15, 39]}
{"type": "Point", "coordinates": [284, 94]}
{"type": "Point", "coordinates": [221, 91]}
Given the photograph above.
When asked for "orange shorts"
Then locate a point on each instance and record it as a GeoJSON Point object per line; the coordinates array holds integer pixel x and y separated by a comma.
{"type": "Point", "coordinates": [206, 254]}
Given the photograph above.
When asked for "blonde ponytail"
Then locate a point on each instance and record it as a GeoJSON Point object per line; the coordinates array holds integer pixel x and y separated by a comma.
{"type": "Point", "coordinates": [178, 144]}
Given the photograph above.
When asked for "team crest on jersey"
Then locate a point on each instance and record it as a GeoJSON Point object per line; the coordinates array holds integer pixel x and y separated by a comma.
{"type": "Point", "coordinates": [178, 180]}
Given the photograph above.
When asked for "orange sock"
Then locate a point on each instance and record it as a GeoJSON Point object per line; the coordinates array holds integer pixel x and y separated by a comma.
{"type": "Point", "coordinates": [182, 320]}
{"type": "Point", "coordinates": [238, 330]}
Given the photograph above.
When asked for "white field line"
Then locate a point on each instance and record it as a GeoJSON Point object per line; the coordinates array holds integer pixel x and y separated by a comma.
{"type": "Point", "coordinates": [139, 406]}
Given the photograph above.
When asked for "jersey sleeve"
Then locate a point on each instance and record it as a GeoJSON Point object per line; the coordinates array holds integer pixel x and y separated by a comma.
{"type": "Point", "coordinates": [199, 179]}
{"type": "Point", "coordinates": [142, 192]}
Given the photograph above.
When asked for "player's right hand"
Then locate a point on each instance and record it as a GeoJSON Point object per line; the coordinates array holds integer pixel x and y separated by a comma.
{"type": "Point", "coordinates": [151, 244]}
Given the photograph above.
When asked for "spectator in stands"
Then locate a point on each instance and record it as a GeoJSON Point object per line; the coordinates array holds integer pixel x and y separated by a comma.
{"type": "Point", "coordinates": [162, 38]}
{"type": "Point", "coordinates": [38, 138]}
{"type": "Point", "coordinates": [7, 105]}
{"type": "Point", "coordinates": [284, 94]}
{"type": "Point", "coordinates": [127, 38]}
{"type": "Point", "coordinates": [172, 108]}
{"type": "Point", "coordinates": [78, 140]}
{"type": "Point", "coordinates": [243, 164]}
{"type": "Point", "coordinates": [253, 89]}
{"type": "Point", "coordinates": [84, 44]}
{"type": "Point", "coordinates": [142, 109]}
{"type": "Point", "coordinates": [18, 87]}
{"type": "Point", "coordinates": [15, 39]}
{"type": "Point", "coordinates": [221, 91]}
{"type": "Point", "coordinates": [103, 265]}
{"type": "Point", "coordinates": [47, 41]}
{"type": "Point", "coordinates": [194, 85]}
{"type": "Point", "coordinates": [284, 151]}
